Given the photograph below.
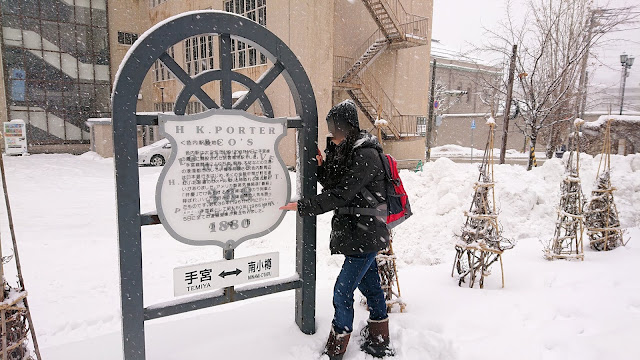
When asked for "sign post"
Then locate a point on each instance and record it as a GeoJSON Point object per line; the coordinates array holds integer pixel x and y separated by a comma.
{"type": "Point", "coordinates": [229, 163]}
{"type": "Point", "coordinates": [473, 127]}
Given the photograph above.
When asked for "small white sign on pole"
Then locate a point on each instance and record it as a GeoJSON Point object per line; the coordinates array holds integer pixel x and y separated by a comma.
{"type": "Point", "coordinates": [193, 279]}
{"type": "Point", "coordinates": [15, 137]}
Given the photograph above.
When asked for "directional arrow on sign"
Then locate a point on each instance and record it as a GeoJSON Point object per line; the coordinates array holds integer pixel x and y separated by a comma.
{"type": "Point", "coordinates": [224, 274]}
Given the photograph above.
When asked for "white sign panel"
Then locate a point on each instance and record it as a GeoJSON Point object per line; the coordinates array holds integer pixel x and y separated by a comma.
{"type": "Point", "coordinates": [225, 179]}
{"type": "Point", "coordinates": [218, 274]}
{"type": "Point", "coordinates": [15, 137]}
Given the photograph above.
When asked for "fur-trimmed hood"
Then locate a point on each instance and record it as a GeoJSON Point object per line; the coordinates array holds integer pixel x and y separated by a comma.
{"type": "Point", "coordinates": [367, 140]}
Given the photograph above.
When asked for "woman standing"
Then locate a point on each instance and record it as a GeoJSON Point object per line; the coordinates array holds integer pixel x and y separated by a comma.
{"type": "Point", "coordinates": [351, 176]}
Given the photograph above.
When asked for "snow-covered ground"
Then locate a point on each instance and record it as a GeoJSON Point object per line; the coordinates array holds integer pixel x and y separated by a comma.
{"type": "Point", "coordinates": [457, 151]}
{"type": "Point", "coordinates": [64, 213]}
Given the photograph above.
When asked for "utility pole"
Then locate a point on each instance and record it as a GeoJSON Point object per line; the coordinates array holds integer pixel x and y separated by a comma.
{"type": "Point", "coordinates": [584, 96]}
{"type": "Point", "coordinates": [507, 106]}
{"type": "Point", "coordinates": [430, 118]}
{"type": "Point", "coordinates": [162, 99]}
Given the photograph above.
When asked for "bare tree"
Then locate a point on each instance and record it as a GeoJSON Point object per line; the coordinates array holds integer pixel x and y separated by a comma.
{"type": "Point", "coordinates": [553, 40]}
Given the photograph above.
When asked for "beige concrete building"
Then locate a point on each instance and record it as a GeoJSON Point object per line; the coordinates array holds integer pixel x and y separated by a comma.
{"type": "Point", "coordinates": [463, 97]}
{"type": "Point", "coordinates": [372, 51]}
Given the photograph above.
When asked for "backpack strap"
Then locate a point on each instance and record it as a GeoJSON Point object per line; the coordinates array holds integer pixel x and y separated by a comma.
{"type": "Point", "coordinates": [361, 211]}
{"type": "Point", "coordinates": [369, 197]}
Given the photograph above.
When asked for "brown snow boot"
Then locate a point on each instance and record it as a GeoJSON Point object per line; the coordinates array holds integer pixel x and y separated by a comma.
{"type": "Point", "coordinates": [336, 345]}
{"type": "Point", "coordinates": [376, 338]}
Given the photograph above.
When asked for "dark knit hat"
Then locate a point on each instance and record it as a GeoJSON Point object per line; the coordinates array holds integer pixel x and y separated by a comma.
{"type": "Point", "coordinates": [344, 116]}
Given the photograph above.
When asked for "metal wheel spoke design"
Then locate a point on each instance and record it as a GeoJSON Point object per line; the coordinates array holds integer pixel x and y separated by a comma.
{"type": "Point", "coordinates": [187, 81]}
{"type": "Point", "coordinates": [263, 83]}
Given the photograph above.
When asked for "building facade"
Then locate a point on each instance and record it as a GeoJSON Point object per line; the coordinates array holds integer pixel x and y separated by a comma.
{"type": "Point", "coordinates": [372, 51]}
{"type": "Point", "coordinates": [56, 69]}
{"type": "Point", "coordinates": [464, 97]}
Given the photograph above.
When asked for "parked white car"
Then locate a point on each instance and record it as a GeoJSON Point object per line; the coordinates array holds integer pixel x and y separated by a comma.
{"type": "Point", "coordinates": [155, 154]}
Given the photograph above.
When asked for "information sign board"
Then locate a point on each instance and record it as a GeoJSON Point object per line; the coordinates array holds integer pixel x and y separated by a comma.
{"type": "Point", "coordinates": [225, 179]}
{"type": "Point", "coordinates": [193, 279]}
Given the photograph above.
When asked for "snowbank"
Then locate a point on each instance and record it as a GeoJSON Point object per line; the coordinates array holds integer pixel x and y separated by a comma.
{"type": "Point", "coordinates": [602, 121]}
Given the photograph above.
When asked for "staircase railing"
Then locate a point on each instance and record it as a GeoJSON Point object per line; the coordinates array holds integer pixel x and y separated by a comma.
{"type": "Point", "coordinates": [341, 64]}
{"type": "Point", "coordinates": [416, 28]}
{"type": "Point", "coordinates": [362, 49]}
{"type": "Point", "coordinates": [404, 17]}
{"type": "Point", "coordinates": [350, 74]}
{"type": "Point", "coordinates": [399, 123]}
{"type": "Point", "coordinates": [405, 125]}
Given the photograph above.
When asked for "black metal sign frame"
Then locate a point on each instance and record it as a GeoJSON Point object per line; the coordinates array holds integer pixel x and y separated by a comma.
{"type": "Point", "coordinates": [152, 46]}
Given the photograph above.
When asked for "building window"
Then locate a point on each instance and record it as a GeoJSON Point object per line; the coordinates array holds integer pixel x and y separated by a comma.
{"type": "Point", "coordinates": [160, 70]}
{"type": "Point", "coordinates": [194, 107]}
{"type": "Point", "coordinates": [244, 55]}
{"type": "Point", "coordinates": [198, 54]}
{"type": "Point", "coordinates": [154, 3]}
{"type": "Point", "coordinates": [126, 38]}
{"type": "Point", "coordinates": [168, 107]}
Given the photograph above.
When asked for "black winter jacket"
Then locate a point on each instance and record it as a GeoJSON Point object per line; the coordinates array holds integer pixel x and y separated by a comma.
{"type": "Point", "coordinates": [351, 234]}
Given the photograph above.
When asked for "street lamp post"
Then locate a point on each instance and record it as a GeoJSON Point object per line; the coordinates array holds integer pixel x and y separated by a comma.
{"type": "Point", "coordinates": [626, 62]}
{"type": "Point", "coordinates": [162, 99]}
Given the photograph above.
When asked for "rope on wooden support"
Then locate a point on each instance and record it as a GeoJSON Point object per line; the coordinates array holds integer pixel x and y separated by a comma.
{"type": "Point", "coordinates": [481, 243]}
{"type": "Point", "coordinates": [567, 239]}
{"type": "Point", "coordinates": [602, 219]}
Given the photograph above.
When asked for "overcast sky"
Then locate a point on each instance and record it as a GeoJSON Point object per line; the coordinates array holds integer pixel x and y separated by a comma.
{"type": "Point", "coordinates": [459, 23]}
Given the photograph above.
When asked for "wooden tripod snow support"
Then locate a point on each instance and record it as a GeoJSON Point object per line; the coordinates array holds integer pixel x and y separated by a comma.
{"type": "Point", "coordinates": [601, 216]}
{"type": "Point", "coordinates": [152, 46]}
{"type": "Point", "coordinates": [388, 272]}
{"type": "Point", "coordinates": [15, 318]}
{"type": "Point", "coordinates": [567, 239]}
{"type": "Point", "coordinates": [481, 243]}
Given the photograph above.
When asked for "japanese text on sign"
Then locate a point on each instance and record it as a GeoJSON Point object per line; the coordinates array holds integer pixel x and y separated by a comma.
{"type": "Point", "coordinates": [218, 274]}
{"type": "Point", "coordinates": [225, 180]}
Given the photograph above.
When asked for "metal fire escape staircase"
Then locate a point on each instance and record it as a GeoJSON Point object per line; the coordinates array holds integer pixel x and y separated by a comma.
{"type": "Point", "coordinates": [396, 30]}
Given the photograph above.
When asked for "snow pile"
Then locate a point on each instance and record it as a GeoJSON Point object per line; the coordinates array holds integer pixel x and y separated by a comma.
{"type": "Point", "coordinates": [453, 151]}
{"type": "Point", "coordinates": [602, 121]}
{"type": "Point", "coordinates": [64, 214]}
{"type": "Point", "coordinates": [491, 121]}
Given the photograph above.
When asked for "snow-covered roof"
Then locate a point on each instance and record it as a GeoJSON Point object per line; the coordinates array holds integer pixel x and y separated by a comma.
{"type": "Point", "coordinates": [602, 120]}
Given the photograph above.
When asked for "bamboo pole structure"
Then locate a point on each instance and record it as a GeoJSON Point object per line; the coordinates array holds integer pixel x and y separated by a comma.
{"type": "Point", "coordinates": [603, 222]}
{"type": "Point", "coordinates": [481, 243]}
{"type": "Point", "coordinates": [18, 312]}
{"type": "Point", "coordinates": [567, 240]}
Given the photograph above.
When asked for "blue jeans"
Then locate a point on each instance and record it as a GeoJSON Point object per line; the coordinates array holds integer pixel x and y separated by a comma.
{"type": "Point", "coordinates": [359, 271]}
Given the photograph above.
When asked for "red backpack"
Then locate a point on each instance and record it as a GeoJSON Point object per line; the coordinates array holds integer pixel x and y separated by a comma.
{"type": "Point", "coordinates": [396, 209]}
